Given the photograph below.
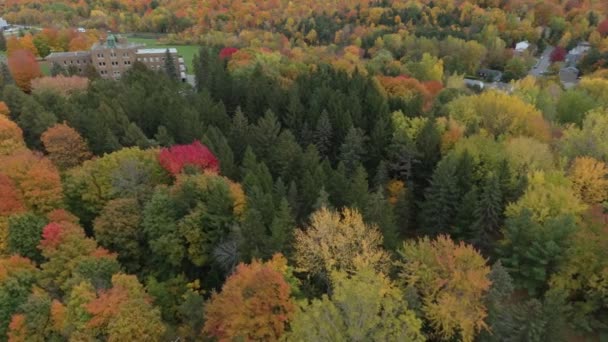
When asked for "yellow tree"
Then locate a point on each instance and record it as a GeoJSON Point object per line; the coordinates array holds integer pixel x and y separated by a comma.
{"type": "Point", "coordinates": [339, 241]}
{"type": "Point", "coordinates": [589, 181]}
{"type": "Point", "coordinates": [451, 280]}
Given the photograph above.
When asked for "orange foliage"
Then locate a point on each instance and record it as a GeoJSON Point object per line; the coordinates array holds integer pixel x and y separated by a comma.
{"type": "Point", "coordinates": [406, 87]}
{"type": "Point", "coordinates": [254, 304]}
{"type": "Point", "coordinates": [24, 68]}
{"type": "Point", "coordinates": [36, 178]}
{"type": "Point", "coordinates": [61, 215]}
{"type": "Point", "coordinates": [17, 329]}
{"type": "Point", "coordinates": [394, 189]}
{"type": "Point", "coordinates": [11, 137]}
{"type": "Point", "coordinates": [4, 109]}
{"type": "Point", "coordinates": [78, 43]}
{"type": "Point", "coordinates": [10, 199]}
{"type": "Point", "coordinates": [14, 265]}
{"type": "Point", "coordinates": [65, 146]}
{"type": "Point", "coordinates": [27, 43]}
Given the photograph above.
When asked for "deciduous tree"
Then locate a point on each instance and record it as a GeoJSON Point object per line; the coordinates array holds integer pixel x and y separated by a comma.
{"type": "Point", "coordinates": [24, 68]}
{"type": "Point", "coordinates": [254, 303]}
{"type": "Point", "coordinates": [451, 280]}
{"type": "Point", "coordinates": [66, 148]}
{"type": "Point", "coordinates": [589, 179]}
{"type": "Point", "coordinates": [364, 306]}
{"type": "Point", "coordinates": [339, 241]}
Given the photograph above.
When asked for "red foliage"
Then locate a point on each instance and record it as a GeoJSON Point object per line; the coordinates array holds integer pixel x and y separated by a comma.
{"type": "Point", "coordinates": [10, 199]}
{"type": "Point", "coordinates": [602, 28]}
{"type": "Point", "coordinates": [228, 52]}
{"type": "Point", "coordinates": [24, 68]}
{"type": "Point", "coordinates": [176, 158]}
{"type": "Point", "coordinates": [51, 235]}
{"type": "Point", "coordinates": [433, 87]}
{"type": "Point", "coordinates": [558, 54]}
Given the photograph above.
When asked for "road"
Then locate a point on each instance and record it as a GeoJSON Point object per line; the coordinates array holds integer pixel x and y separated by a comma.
{"type": "Point", "coordinates": [543, 63]}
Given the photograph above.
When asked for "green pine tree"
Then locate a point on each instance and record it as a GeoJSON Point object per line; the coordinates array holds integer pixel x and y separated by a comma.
{"type": "Point", "coordinates": [170, 68]}
{"type": "Point", "coordinates": [323, 134]}
{"type": "Point", "coordinates": [352, 151]}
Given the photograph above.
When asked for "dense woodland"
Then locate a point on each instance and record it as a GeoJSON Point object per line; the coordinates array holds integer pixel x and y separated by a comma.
{"type": "Point", "coordinates": [338, 186]}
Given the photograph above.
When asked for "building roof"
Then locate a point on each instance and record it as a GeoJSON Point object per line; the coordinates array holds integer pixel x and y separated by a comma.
{"type": "Point", "coordinates": [155, 51]}
{"type": "Point", "coordinates": [522, 46]}
{"type": "Point", "coordinates": [69, 54]}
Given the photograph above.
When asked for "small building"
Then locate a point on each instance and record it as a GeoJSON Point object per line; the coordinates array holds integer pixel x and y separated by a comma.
{"type": "Point", "coordinates": [489, 75]}
{"type": "Point", "coordinates": [577, 53]}
{"type": "Point", "coordinates": [522, 47]}
{"type": "Point", "coordinates": [569, 75]}
{"type": "Point", "coordinates": [3, 24]}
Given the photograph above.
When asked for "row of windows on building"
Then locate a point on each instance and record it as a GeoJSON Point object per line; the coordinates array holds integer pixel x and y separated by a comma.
{"type": "Point", "coordinates": [113, 55]}
{"type": "Point", "coordinates": [115, 63]}
{"type": "Point", "coordinates": [105, 72]}
{"type": "Point", "coordinates": [77, 62]}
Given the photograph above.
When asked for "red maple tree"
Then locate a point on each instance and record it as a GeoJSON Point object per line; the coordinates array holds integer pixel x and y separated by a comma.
{"type": "Point", "coordinates": [174, 159]}
{"type": "Point", "coordinates": [558, 54]}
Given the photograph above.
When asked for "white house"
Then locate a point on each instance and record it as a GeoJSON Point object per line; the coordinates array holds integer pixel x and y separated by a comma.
{"type": "Point", "coordinates": [522, 46]}
{"type": "Point", "coordinates": [3, 24]}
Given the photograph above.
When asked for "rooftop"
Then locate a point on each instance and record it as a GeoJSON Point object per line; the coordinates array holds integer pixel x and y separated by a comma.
{"type": "Point", "coordinates": [70, 54]}
{"type": "Point", "coordinates": [155, 51]}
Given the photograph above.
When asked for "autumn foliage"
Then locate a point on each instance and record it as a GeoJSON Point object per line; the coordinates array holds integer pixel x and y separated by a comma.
{"type": "Point", "coordinates": [35, 178]}
{"type": "Point", "coordinates": [558, 54]}
{"type": "Point", "coordinates": [10, 198]}
{"type": "Point", "coordinates": [60, 84]}
{"type": "Point", "coordinates": [11, 136]}
{"type": "Point", "coordinates": [65, 146]}
{"type": "Point", "coordinates": [174, 159]}
{"type": "Point", "coordinates": [254, 304]}
{"type": "Point", "coordinates": [24, 68]}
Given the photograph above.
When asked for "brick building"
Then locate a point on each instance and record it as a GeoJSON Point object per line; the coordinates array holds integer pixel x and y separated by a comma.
{"type": "Point", "coordinates": [114, 56]}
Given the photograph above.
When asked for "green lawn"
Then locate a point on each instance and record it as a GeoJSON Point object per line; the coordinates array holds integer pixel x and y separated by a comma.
{"type": "Point", "coordinates": [186, 51]}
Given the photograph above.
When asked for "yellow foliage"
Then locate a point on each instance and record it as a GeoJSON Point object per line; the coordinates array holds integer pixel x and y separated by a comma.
{"type": "Point", "coordinates": [452, 280]}
{"type": "Point", "coordinates": [339, 241]}
{"type": "Point", "coordinates": [394, 189]}
{"type": "Point", "coordinates": [548, 195]}
{"type": "Point", "coordinates": [589, 179]}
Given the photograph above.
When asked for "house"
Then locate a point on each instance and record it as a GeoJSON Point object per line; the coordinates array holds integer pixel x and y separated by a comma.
{"type": "Point", "coordinates": [569, 76]}
{"type": "Point", "coordinates": [577, 53]}
{"type": "Point", "coordinates": [114, 56]}
{"type": "Point", "coordinates": [522, 46]}
{"type": "Point", "coordinates": [3, 24]}
{"type": "Point", "coordinates": [489, 75]}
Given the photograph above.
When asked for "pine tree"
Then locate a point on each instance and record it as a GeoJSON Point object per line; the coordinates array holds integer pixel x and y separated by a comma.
{"type": "Point", "coordinates": [239, 134]}
{"type": "Point", "coordinates": [380, 212]}
{"type": "Point", "coordinates": [5, 75]}
{"type": "Point", "coordinates": [163, 138]}
{"type": "Point", "coordinates": [440, 200]}
{"type": "Point", "coordinates": [358, 190]}
{"type": "Point", "coordinates": [488, 213]}
{"type": "Point", "coordinates": [170, 68]}
{"type": "Point", "coordinates": [323, 134]}
{"type": "Point", "coordinates": [218, 144]}
{"type": "Point", "coordinates": [352, 151]}
{"type": "Point", "coordinates": [281, 229]}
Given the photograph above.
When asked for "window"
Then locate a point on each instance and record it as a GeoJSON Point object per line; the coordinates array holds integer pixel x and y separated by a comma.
{"type": "Point", "coordinates": [100, 64]}
{"type": "Point", "coordinates": [65, 62]}
{"type": "Point", "coordinates": [78, 61]}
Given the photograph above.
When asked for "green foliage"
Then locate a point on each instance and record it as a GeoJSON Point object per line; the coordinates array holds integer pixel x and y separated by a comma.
{"type": "Point", "coordinates": [532, 251]}
{"type": "Point", "coordinates": [363, 307]}
{"type": "Point", "coordinates": [24, 234]}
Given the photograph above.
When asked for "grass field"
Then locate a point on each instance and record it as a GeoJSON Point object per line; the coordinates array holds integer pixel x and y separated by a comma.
{"type": "Point", "coordinates": [186, 51]}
